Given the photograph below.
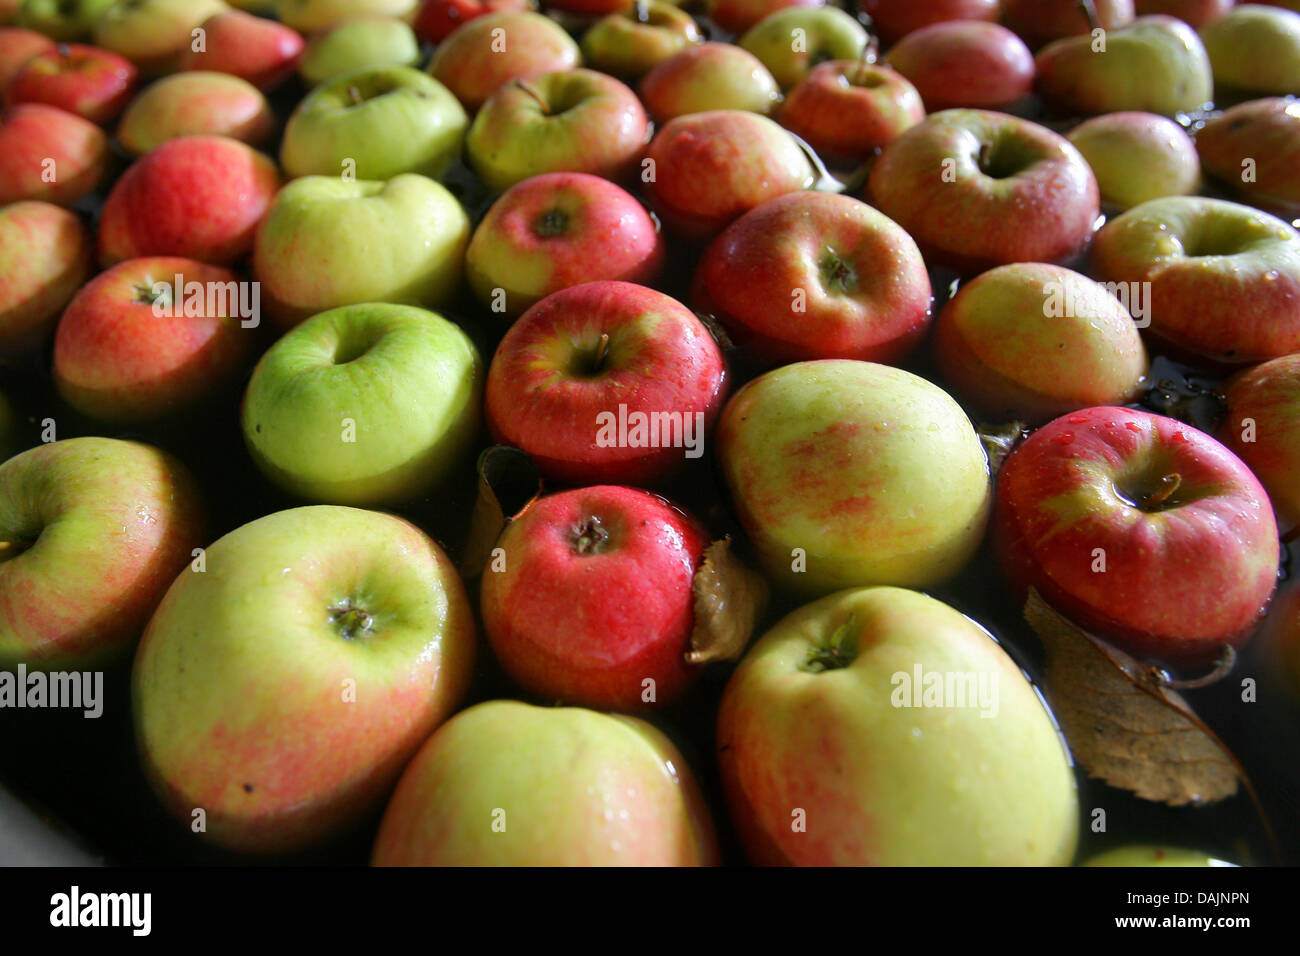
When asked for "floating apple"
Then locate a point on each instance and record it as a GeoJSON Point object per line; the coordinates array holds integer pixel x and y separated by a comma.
{"type": "Point", "coordinates": [263, 52]}
{"type": "Point", "coordinates": [1255, 49]}
{"type": "Point", "coordinates": [709, 76]}
{"type": "Point", "coordinates": [631, 42]}
{"type": "Point", "coordinates": [893, 19]}
{"type": "Point", "coordinates": [195, 104]}
{"type": "Point", "coordinates": [965, 63]}
{"type": "Point", "coordinates": [1038, 22]}
{"type": "Point", "coordinates": [1262, 425]}
{"type": "Point", "coordinates": [49, 154]}
{"type": "Point", "coordinates": [790, 42]}
{"type": "Point", "coordinates": [437, 19]}
{"type": "Point", "coordinates": [1137, 156]}
{"type": "Point", "coordinates": [17, 46]}
{"type": "Point", "coordinates": [46, 253]}
{"type": "Point", "coordinates": [481, 57]}
{"type": "Point", "coordinates": [358, 45]}
{"type": "Point", "coordinates": [1253, 148]}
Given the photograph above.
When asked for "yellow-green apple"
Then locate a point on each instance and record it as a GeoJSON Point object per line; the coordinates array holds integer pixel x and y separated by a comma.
{"type": "Point", "coordinates": [46, 253]}
{"type": "Point", "coordinates": [365, 404]}
{"type": "Point", "coordinates": [893, 19]}
{"type": "Point", "coordinates": [1148, 856]}
{"type": "Point", "coordinates": [737, 16]}
{"type": "Point", "coordinates": [314, 16]}
{"type": "Point", "coordinates": [1154, 65]}
{"type": "Point", "coordinates": [153, 34]}
{"type": "Point", "coordinates": [1137, 156]}
{"type": "Point", "coordinates": [880, 727]}
{"type": "Point", "coordinates": [129, 349]}
{"type": "Point", "coordinates": [327, 242]}
{"type": "Point", "coordinates": [705, 170]}
{"type": "Point", "coordinates": [965, 63]}
{"type": "Point", "coordinates": [1140, 529]}
{"type": "Point", "coordinates": [437, 19]}
{"type": "Point", "coordinates": [283, 688]}
{"type": "Point", "coordinates": [558, 609]}
{"type": "Point", "coordinates": [792, 41]}
{"type": "Point", "coordinates": [596, 790]}
{"type": "Point", "coordinates": [1039, 22]}
{"type": "Point", "coordinates": [374, 124]}
{"type": "Point", "coordinates": [812, 275]}
{"type": "Point", "coordinates": [1254, 149]}
{"type": "Point", "coordinates": [198, 197]}
{"type": "Point", "coordinates": [709, 76]}
{"type": "Point", "coordinates": [1196, 13]}
{"type": "Point", "coordinates": [1262, 425]}
{"type": "Point", "coordinates": [606, 382]}
{"type": "Point", "coordinates": [576, 121]}
{"type": "Point", "coordinates": [263, 52]}
{"type": "Point", "coordinates": [847, 109]}
{"type": "Point", "coordinates": [17, 46]}
{"type": "Point", "coordinates": [85, 80]}
{"type": "Point", "coordinates": [49, 154]}
{"type": "Point", "coordinates": [486, 54]}
{"type": "Point", "coordinates": [977, 189]}
{"type": "Point", "coordinates": [1028, 342]}
{"type": "Point", "coordinates": [68, 21]}
{"type": "Point", "coordinates": [1255, 49]}
{"type": "Point", "coordinates": [630, 43]}
{"type": "Point", "coordinates": [559, 230]}
{"type": "Point", "coordinates": [847, 473]}
{"type": "Point", "coordinates": [195, 104]}
{"type": "Point", "coordinates": [94, 531]}
{"type": "Point", "coordinates": [1223, 279]}
{"type": "Point", "coordinates": [357, 45]}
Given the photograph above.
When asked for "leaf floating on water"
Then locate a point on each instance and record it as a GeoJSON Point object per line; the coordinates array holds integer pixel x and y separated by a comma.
{"type": "Point", "coordinates": [508, 482]}
{"type": "Point", "coordinates": [729, 600]}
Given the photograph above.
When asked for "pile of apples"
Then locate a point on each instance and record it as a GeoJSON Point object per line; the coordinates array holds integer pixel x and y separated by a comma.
{"type": "Point", "coordinates": [800, 256]}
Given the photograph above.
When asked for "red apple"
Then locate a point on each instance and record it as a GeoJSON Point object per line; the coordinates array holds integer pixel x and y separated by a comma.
{"type": "Point", "coordinates": [49, 154]}
{"type": "Point", "coordinates": [487, 53]}
{"type": "Point", "coordinates": [261, 51]}
{"type": "Point", "coordinates": [1040, 21]}
{"type": "Point", "coordinates": [1253, 148]}
{"type": "Point", "coordinates": [1140, 529]}
{"type": "Point", "coordinates": [85, 80]}
{"type": "Point", "coordinates": [46, 253]}
{"type": "Point", "coordinates": [436, 19]}
{"type": "Point", "coordinates": [893, 19]}
{"type": "Point", "coordinates": [17, 46]}
{"type": "Point", "coordinates": [709, 76]}
{"type": "Point", "coordinates": [847, 109]}
{"type": "Point", "coordinates": [1262, 425]}
{"type": "Point", "coordinates": [195, 104]}
{"type": "Point", "coordinates": [965, 63]}
{"type": "Point", "coordinates": [1197, 13]}
{"type": "Point", "coordinates": [737, 16]}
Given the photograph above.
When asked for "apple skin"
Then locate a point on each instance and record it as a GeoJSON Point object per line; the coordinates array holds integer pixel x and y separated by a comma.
{"type": "Point", "coordinates": [1137, 156]}
{"type": "Point", "coordinates": [596, 598]}
{"type": "Point", "coordinates": [46, 253]}
{"type": "Point", "coordinates": [1265, 131]}
{"type": "Point", "coordinates": [866, 289]}
{"type": "Point", "coordinates": [109, 524]}
{"type": "Point", "coordinates": [1255, 49]}
{"type": "Point", "coordinates": [195, 104]}
{"type": "Point", "coordinates": [1002, 344]}
{"type": "Point", "coordinates": [737, 16]}
{"type": "Point", "coordinates": [709, 76]}
{"type": "Point", "coordinates": [1264, 406]}
{"type": "Point", "coordinates": [153, 34]}
{"type": "Point", "coordinates": [116, 361]}
{"type": "Point", "coordinates": [198, 197]}
{"type": "Point", "coordinates": [263, 52]}
{"type": "Point", "coordinates": [358, 45]}
{"type": "Point", "coordinates": [92, 83]}
{"type": "Point", "coordinates": [67, 22]}
{"type": "Point", "coordinates": [846, 110]}
{"type": "Point", "coordinates": [629, 47]}
{"type": "Point", "coordinates": [660, 358]}
{"type": "Point", "coordinates": [1039, 206]}
{"type": "Point", "coordinates": [17, 46]}
{"type": "Point", "coordinates": [405, 122]}
{"type": "Point", "coordinates": [410, 382]}
{"type": "Point", "coordinates": [1039, 22]}
{"type": "Point", "coordinates": [32, 136]}
{"type": "Point", "coordinates": [1225, 278]}
{"type": "Point", "coordinates": [1148, 856]}
{"type": "Point", "coordinates": [437, 19]}
{"type": "Point", "coordinates": [596, 790]}
{"type": "Point", "coordinates": [470, 65]}
{"type": "Point", "coordinates": [878, 782]}
{"type": "Point", "coordinates": [1195, 13]}
{"type": "Point", "coordinates": [711, 168]}
{"type": "Point", "coordinates": [558, 230]}
{"type": "Point", "coordinates": [965, 63]}
{"type": "Point", "coordinates": [316, 16]}
{"type": "Point", "coordinates": [874, 473]}
{"type": "Point", "coordinates": [327, 243]}
{"type": "Point", "coordinates": [894, 19]}
{"type": "Point", "coordinates": [1183, 577]}
{"type": "Point", "coordinates": [239, 689]}
{"type": "Point", "coordinates": [828, 32]}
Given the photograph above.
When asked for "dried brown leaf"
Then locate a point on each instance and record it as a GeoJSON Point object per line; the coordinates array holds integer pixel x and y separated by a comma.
{"type": "Point", "coordinates": [508, 482]}
{"type": "Point", "coordinates": [729, 600]}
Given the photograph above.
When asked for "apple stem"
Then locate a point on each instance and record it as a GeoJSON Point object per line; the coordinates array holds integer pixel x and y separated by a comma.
{"type": "Point", "coordinates": [1222, 668]}
{"type": "Point", "coordinates": [355, 96]}
{"type": "Point", "coordinates": [532, 91]}
{"type": "Point", "coordinates": [1090, 11]}
{"type": "Point", "coordinates": [1168, 485]}
{"type": "Point", "coordinates": [601, 348]}
{"type": "Point", "coordinates": [590, 536]}
{"type": "Point", "coordinates": [9, 549]}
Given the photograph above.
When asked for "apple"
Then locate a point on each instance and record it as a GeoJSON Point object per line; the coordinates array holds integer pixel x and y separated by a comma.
{"type": "Point", "coordinates": [153, 34]}
{"type": "Point", "coordinates": [574, 565]}
{"type": "Point", "coordinates": [364, 404]}
{"type": "Point", "coordinates": [327, 242]}
{"type": "Point", "coordinates": [9, 11]}
{"type": "Point", "coordinates": [128, 351]}
{"type": "Point", "coordinates": [284, 688]}
{"type": "Point", "coordinates": [1255, 49]}
{"type": "Point", "coordinates": [49, 154]}
{"type": "Point", "coordinates": [198, 197]}
{"type": "Point", "coordinates": [16, 48]}
{"type": "Point", "coordinates": [1137, 156]}
{"type": "Point", "coordinates": [92, 83]}
{"type": "Point", "coordinates": [596, 790]}
{"type": "Point", "coordinates": [847, 473]}
{"type": "Point", "coordinates": [606, 382]}
{"type": "Point", "coordinates": [1028, 342]}
{"type": "Point", "coordinates": [46, 253]}
{"type": "Point", "coordinates": [1224, 279]}
{"type": "Point", "coordinates": [1039, 22]}
{"type": "Point", "coordinates": [568, 121]}
{"type": "Point", "coordinates": [316, 16]}
{"type": "Point", "coordinates": [847, 109]}
{"type": "Point", "coordinates": [831, 755]}
{"type": "Point", "coordinates": [559, 230]}
{"type": "Point", "coordinates": [894, 19]}
{"type": "Point", "coordinates": [195, 104]}
{"type": "Point", "coordinates": [68, 21]}
{"type": "Point", "coordinates": [263, 52]}
{"type": "Point", "coordinates": [812, 275]}
{"type": "Point", "coordinates": [437, 19]}
{"type": "Point", "coordinates": [709, 76]}
{"type": "Point", "coordinates": [737, 16]}
{"type": "Point", "coordinates": [630, 43]}
{"type": "Point", "coordinates": [705, 170]}
{"type": "Point", "coordinates": [977, 189]}
{"type": "Point", "coordinates": [374, 124]}
{"type": "Point", "coordinates": [486, 54]}
{"type": "Point", "coordinates": [1254, 149]}
{"type": "Point", "coordinates": [790, 42]}
{"type": "Point", "coordinates": [358, 45]}
{"type": "Point", "coordinates": [1195, 13]}
{"type": "Point", "coordinates": [965, 63]}
{"type": "Point", "coordinates": [94, 529]}
{"type": "Point", "coordinates": [1261, 424]}
{"type": "Point", "coordinates": [1149, 856]}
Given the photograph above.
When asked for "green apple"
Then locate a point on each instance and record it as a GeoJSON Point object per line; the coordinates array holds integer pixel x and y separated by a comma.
{"type": "Point", "coordinates": [282, 688]}
{"type": "Point", "coordinates": [313, 16]}
{"type": "Point", "coordinates": [358, 45]}
{"type": "Point", "coordinates": [510, 784]}
{"type": "Point", "coordinates": [848, 473]}
{"type": "Point", "coordinates": [792, 41]}
{"type": "Point", "coordinates": [152, 33]}
{"type": "Point", "coordinates": [1138, 156]}
{"type": "Point", "coordinates": [1255, 49]}
{"type": "Point", "coordinates": [326, 242]}
{"type": "Point", "coordinates": [365, 404]}
{"type": "Point", "coordinates": [374, 124]}
{"type": "Point", "coordinates": [707, 77]}
{"type": "Point", "coordinates": [880, 727]}
{"type": "Point", "coordinates": [629, 43]}
{"type": "Point", "coordinates": [195, 103]}
{"type": "Point", "coordinates": [1145, 855]}
{"type": "Point", "coordinates": [68, 21]}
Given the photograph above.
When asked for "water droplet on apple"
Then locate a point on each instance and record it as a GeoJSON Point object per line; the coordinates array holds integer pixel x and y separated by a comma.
{"type": "Point", "coordinates": [1080, 419]}
{"type": "Point", "coordinates": [1065, 438]}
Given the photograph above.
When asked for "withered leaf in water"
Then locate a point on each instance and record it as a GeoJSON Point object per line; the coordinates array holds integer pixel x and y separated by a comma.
{"type": "Point", "coordinates": [729, 600]}
{"type": "Point", "coordinates": [1123, 725]}
{"type": "Point", "coordinates": [508, 482]}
